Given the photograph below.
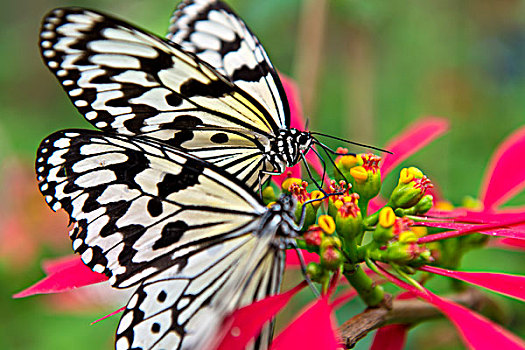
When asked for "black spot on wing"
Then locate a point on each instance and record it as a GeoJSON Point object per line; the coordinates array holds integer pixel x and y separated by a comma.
{"type": "Point", "coordinates": [162, 297]}
{"type": "Point", "coordinates": [183, 122]}
{"type": "Point", "coordinates": [220, 138]}
{"type": "Point", "coordinates": [188, 177]}
{"type": "Point", "coordinates": [170, 234]}
{"type": "Point", "coordinates": [215, 88]}
{"type": "Point", "coordinates": [154, 207]}
{"type": "Point", "coordinates": [246, 73]}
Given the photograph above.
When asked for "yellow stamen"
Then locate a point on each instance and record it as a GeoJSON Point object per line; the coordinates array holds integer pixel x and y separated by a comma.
{"type": "Point", "coordinates": [387, 217]}
{"type": "Point", "coordinates": [316, 195]}
{"type": "Point", "coordinates": [338, 203]}
{"type": "Point", "coordinates": [349, 161]}
{"type": "Point", "coordinates": [289, 181]}
{"type": "Point", "coordinates": [407, 237]}
{"type": "Point", "coordinates": [359, 173]}
{"type": "Point", "coordinates": [327, 224]}
{"type": "Point", "coordinates": [406, 176]}
{"type": "Point", "coordinates": [416, 172]}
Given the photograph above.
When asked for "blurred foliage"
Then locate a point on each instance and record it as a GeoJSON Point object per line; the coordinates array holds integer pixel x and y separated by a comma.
{"type": "Point", "coordinates": [460, 59]}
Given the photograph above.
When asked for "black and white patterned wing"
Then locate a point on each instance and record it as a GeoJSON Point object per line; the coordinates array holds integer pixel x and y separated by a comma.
{"type": "Point", "coordinates": [211, 30]}
{"type": "Point", "coordinates": [147, 214]}
{"type": "Point", "coordinates": [184, 309]}
{"type": "Point", "coordinates": [134, 202]}
{"type": "Point", "coordinates": [125, 80]}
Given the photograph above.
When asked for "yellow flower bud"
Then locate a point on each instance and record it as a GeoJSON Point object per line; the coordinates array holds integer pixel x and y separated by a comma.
{"type": "Point", "coordinates": [387, 218]}
{"type": "Point", "coordinates": [327, 224]}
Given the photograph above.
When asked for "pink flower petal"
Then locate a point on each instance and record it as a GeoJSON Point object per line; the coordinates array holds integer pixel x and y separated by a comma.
{"type": "Point", "coordinates": [391, 337]}
{"type": "Point", "coordinates": [510, 285]}
{"type": "Point", "coordinates": [494, 229]}
{"type": "Point", "coordinates": [490, 216]}
{"type": "Point", "coordinates": [313, 329]}
{"type": "Point", "coordinates": [55, 265]}
{"type": "Point", "coordinates": [109, 315]}
{"type": "Point", "coordinates": [505, 176]}
{"type": "Point", "coordinates": [509, 243]}
{"type": "Point", "coordinates": [245, 323]}
{"type": "Point", "coordinates": [294, 171]}
{"type": "Point", "coordinates": [72, 274]}
{"type": "Point", "coordinates": [293, 261]}
{"type": "Point", "coordinates": [477, 332]}
{"type": "Point", "coordinates": [411, 140]}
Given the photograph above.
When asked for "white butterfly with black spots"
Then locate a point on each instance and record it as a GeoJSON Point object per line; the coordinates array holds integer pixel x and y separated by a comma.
{"type": "Point", "coordinates": [209, 89]}
{"type": "Point", "coordinates": [194, 241]}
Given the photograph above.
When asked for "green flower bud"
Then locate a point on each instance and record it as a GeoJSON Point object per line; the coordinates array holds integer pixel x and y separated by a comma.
{"type": "Point", "coordinates": [348, 219]}
{"type": "Point", "coordinates": [366, 179]}
{"type": "Point", "coordinates": [316, 272]}
{"type": "Point", "coordinates": [268, 195]}
{"type": "Point", "coordinates": [410, 189]}
{"type": "Point", "coordinates": [331, 257]}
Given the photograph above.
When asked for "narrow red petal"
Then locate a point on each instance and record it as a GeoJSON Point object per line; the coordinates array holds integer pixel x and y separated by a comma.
{"type": "Point", "coordinates": [477, 332]}
{"type": "Point", "coordinates": [391, 337]}
{"type": "Point", "coordinates": [294, 171]}
{"type": "Point", "coordinates": [510, 285]}
{"type": "Point", "coordinates": [296, 111]}
{"type": "Point", "coordinates": [245, 323]}
{"type": "Point", "coordinates": [509, 243]}
{"type": "Point", "coordinates": [313, 329]}
{"type": "Point", "coordinates": [109, 315]}
{"type": "Point", "coordinates": [505, 176]}
{"type": "Point", "coordinates": [501, 228]}
{"type": "Point", "coordinates": [293, 261]}
{"type": "Point", "coordinates": [412, 139]}
{"type": "Point", "coordinates": [51, 266]}
{"type": "Point", "coordinates": [71, 275]}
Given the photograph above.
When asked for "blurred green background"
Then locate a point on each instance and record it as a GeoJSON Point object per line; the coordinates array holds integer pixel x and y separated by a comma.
{"type": "Point", "coordinates": [366, 69]}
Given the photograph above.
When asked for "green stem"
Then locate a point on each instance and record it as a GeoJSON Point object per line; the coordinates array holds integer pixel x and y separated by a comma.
{"type": "Point", "coordinates": [371, 293]}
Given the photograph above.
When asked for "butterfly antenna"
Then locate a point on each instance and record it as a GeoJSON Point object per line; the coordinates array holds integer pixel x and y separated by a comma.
{"type": "Point", "coordinates": [331, 160]}
{"type": "Point", "coordinates": [321, 159]}
{"type": "Point", "coordinates": [329, 149]}
{"type": "Point", "coordinates": [351, 142]}
{"type": "Point", "coordinates": [314, 289]}
{"type": "Point", "coordinates": [306, 123]}
{"type": "Point", "coordinates": [319, 187]}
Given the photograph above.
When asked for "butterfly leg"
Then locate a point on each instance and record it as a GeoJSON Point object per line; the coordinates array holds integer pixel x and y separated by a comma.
{"type": "Point", "coordinates": [292, 244]}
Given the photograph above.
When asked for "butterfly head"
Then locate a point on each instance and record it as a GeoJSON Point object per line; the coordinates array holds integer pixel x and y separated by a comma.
{"type": "Point", "coordinates": [284, 209]}
{"type": "Point", "coordinates": [291, 144]}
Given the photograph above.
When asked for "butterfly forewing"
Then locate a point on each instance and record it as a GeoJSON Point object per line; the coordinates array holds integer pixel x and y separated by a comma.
{"type": "Point", "coordinates": [212, 31]}
{"type": "Point", "coordinates": [125, 80]}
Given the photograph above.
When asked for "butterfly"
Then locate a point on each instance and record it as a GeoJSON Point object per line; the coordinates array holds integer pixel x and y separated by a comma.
{"type": "Point", "coordinates": [194, 241]}
{"type": "Point", "coordinates": [209, 89]}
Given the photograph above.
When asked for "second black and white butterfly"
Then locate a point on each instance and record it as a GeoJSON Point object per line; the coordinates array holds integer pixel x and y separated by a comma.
{"type": "Point", "coordinates": [208, 90]}
{"type": "Point", "coordinates": [194, 241]}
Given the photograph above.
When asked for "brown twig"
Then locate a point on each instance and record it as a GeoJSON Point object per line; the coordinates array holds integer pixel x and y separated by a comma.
{"type": "Point", "coordinates": [408, 311]}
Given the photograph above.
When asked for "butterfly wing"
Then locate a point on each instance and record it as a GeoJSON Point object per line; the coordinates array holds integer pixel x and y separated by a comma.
{"type": "Point", "coordinates": [211, 30]}
{"type": "Point", "coordinates": [149, 215]}
{"type": "Point", "coordinates": [125, 80]}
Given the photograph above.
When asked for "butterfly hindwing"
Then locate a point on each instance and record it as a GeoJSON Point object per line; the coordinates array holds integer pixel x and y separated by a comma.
{"type": "Point", "coordinates": [125, 80]}
{"type": "Point", "coordinates": [211, 30]}
{"type": "Point", "coordinates": [133, 202]}
{"type": "Point", "coordinates": [182, 309]}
